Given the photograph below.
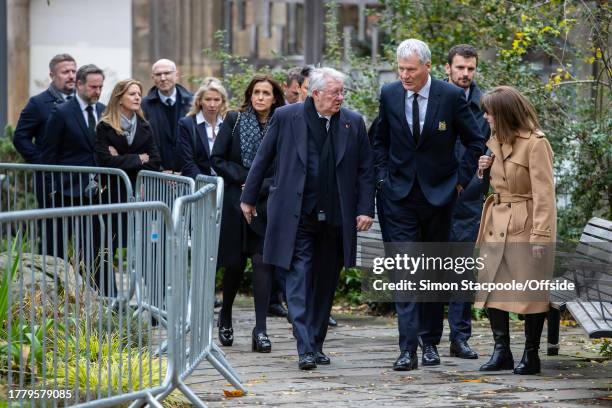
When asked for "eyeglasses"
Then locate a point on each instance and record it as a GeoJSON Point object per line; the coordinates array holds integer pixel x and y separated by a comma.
{"type": "Point", "coordinates": [334, 94]}
{"type": "Point", "coordinates": [165, 73]}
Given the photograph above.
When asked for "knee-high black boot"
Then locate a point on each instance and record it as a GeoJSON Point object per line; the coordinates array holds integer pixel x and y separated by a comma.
{"type": "Point", "coordinates": [501, 359]}
{"type": "Point", "coordinates": [530, 363]}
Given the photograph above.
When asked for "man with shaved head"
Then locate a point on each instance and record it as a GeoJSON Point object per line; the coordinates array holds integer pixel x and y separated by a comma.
{"type": "Point", "coordinates": [163, 106]}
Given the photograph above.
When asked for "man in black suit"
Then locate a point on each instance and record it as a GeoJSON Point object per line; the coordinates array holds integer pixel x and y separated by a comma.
{"type": "Point", "coordinates": [69, 140]}
{"type": "Point", "coordinates": [323, 193]}
{"type": "Point", "coordinates": [33, 118]}
{"type": "Point", "coordinates": [70, 132]}
{"type": "Point", "coordinates": [163, 106]}
{"type": "Point", "coordinates": [461, 68]}
{"type": "Point", "coordinates": [420, 178]}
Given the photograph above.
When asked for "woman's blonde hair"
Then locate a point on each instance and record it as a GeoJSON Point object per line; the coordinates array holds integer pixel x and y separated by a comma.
{"type": "Point", "coordinates": [209, 84]}
{"type": "Point", "coordinates": [511, 112]}
{"type": "Point", "coordinates": [112, 113]}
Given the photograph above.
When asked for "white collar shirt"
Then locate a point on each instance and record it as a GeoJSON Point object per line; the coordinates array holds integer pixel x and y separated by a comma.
{"type": "Point", "coordinates": [164, 99]}
{"type": "Point", "coordinates": [422, 99]}
{"type": "Point", "coordinates": [83, 105]}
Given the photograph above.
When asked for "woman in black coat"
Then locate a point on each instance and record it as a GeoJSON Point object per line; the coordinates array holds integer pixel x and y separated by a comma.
{"type": "Point", "coordinates": [196, 133]}
{"type": "Point", "coordinates": [124, 140]}
{"type": "Point", "coordinates": [232, 156]}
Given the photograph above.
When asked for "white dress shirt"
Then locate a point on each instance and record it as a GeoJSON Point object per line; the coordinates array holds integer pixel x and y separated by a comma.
{"type": "Point", "coordinates": [165, 98]}
{"type": "Point", "coordinates": [84, 106]}
{"type": "Point", "coordinates": [422, 99]}
{"type": "Point", "coordinates": [209, 128]}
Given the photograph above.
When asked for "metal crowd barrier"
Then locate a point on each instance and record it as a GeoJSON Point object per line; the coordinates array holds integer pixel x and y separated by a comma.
{"type": "Point", "coordinates": [29, 186]}
{"type": "Point", "coordinates": [60, 332]}
{"type": "Point", "coordinates": [156, 186]}
{"type": "Point", "coordinates": [63, 333]}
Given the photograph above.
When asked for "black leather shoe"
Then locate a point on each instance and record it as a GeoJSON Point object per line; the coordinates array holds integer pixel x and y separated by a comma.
{"type": "Point", "coordinates": [307, 361]}
{"type": "Point", "coordinates": [321, 358]}
{"type": "Point", "coordinates": [430, 355]}
{"type": "Point", "coordinates": [261, 343]}
{"type": "Point", "coordinates": [461, 349]}
{"type": "Point", "coordinates": [332, 322]}
{"type": "Point", "coordinates": [406, 361]}
{"type": "Point", "coordinates": [277, 310]}
{"type": "Point", "coordinates": [226, 336]}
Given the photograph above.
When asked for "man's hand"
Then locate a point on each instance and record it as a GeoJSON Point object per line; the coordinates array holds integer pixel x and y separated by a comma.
{"type": "Point", "coordinates": [144, 158]}
{"type": "Point", "coordinates": [459, 189]}
{"type": "Point", "coordinates": [248, 211]}
{"type": "Point", "coordinates": [364, 223]}
{"type": "Point", "coordinates": [113, 151]}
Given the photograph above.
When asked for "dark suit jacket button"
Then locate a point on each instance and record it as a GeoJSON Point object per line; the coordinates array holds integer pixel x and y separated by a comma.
{"type": "Point", "coordinates": [509, 205]}
{"type": "Point", "coordinates": [501, 235]}
{"type": "Point", "coordinates": [503, 178]}
{"type": "Point", "coordinates": [490, 232]}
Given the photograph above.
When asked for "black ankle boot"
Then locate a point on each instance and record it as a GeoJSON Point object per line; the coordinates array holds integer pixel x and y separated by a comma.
{"type": "Point", "coordinates": [530, 363]}
{"type": "Point", "coordinates": [501, 359]}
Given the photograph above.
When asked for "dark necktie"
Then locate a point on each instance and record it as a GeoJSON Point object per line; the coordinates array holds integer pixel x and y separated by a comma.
{"type": "Point", "coordinates": [91, 122]}
{"type": "Point", "coordinates": [169, 102]}
{"type": "Point", "coordinates": [68, 97]}
{"type": "Point", "coordinates": [324, 123]}
{"type": "Point", "coordinates": [416, 122]}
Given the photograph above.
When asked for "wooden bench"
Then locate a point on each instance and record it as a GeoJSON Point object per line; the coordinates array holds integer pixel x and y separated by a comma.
{"type": "Point", "coordinates": [589, 268]}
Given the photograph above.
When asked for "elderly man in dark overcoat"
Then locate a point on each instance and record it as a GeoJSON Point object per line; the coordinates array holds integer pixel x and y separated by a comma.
{"type": "Point", "coordinates": [323, 193]}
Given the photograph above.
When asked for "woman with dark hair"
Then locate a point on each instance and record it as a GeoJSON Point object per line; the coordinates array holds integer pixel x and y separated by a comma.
{"type": "Point", "coordinates": [239, 138]}
{"type": "Point", "coordinates": [197, 132]}
{"type": "Point", "coordinates": [518, 224]}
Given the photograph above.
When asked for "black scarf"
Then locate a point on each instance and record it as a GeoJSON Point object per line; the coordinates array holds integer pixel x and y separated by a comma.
{"type": "Point", "coordinates": [328, 199]}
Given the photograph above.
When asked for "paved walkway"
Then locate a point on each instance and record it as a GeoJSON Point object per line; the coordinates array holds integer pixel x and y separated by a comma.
{"type": "Point", "coordinates": [363, 348]}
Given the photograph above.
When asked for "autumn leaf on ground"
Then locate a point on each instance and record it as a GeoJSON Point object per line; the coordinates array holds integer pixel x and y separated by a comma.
{"type": "Point", "coordinates": [473, 380]}
{"type": "Point", "coordinates": [233, 393]}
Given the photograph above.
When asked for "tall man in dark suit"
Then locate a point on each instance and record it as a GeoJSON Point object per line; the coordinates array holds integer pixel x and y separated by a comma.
{"type": "Point", "coordinates": [323, 193]}
{"type": "Point", "coordinates": [420, 178]}
{"type": "Point", "coordinates": [33, 118]}
{"type": "Point", "coordinates": [70, 132]}
{"type": "Point", "coordinates": [163, 106]}
{"type": "Point", "coordinates": [69, 140]}
{"type": "Point", "coordinates": [461, 68]}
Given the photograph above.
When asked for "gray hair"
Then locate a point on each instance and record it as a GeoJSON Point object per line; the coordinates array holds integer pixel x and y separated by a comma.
{"type": "Point", "coordinates": [318, 78]}
{"type": "Point", "coordinates": [411, 47]}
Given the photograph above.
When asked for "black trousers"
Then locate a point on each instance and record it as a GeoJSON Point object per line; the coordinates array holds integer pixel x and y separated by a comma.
{"type": "Point", "coordinates": [311, 281]}
{"type": "Point", "coordinates": [414, 219]}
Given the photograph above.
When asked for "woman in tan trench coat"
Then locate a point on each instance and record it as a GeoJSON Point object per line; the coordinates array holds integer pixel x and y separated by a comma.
{"type": "Point", "coordinates": [518, 224]}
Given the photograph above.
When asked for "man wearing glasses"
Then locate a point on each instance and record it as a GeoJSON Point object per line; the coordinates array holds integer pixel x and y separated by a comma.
{"type": "Point", "coordinates": [323, 193]}
{"type": "Point", "coordinates": [163, 106]}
